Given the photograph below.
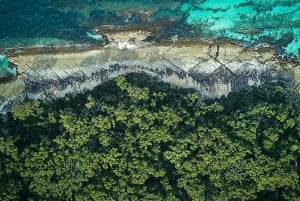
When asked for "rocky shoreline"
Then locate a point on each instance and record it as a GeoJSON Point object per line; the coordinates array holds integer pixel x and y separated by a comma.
{"type": "Point", "coordinates": [214, 67]}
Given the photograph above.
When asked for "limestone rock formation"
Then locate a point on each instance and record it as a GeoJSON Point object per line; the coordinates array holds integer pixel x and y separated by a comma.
{"type": "Point", "coordinates": [214, 68]}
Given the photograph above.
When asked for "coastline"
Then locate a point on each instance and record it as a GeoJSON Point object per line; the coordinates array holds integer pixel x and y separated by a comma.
{"type": "Point", "coordinates": [214, 67]}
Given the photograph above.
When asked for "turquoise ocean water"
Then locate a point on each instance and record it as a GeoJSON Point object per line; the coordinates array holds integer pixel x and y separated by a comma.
{"type": "Point", "coordinates": [58, 23]}
{"type": "Point", "coordinates": [46, 22]}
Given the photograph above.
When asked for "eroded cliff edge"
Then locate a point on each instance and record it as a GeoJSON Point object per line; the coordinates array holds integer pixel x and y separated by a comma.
{"type": "Point", "coordinates": [214, 67]}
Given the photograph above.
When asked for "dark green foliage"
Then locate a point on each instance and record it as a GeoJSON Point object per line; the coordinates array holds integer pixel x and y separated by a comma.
{"type": "Point", "coordinates": [135, 138]}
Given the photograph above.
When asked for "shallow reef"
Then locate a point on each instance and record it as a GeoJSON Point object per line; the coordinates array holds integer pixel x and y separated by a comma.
{"type": "Point", "coordinates": [276, 23]}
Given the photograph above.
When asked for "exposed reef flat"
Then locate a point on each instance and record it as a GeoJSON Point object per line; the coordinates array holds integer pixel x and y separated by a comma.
{"type": "Point", "coordinates": [214, 67]}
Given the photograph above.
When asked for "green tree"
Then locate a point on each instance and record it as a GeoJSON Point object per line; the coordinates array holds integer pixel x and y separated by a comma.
{"type": "Point", "coordinates": [10, 181]}
{"type": "Point", "coordinates": [134, 138]}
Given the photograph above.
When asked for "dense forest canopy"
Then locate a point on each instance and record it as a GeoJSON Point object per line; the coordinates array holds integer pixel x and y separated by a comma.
{"type": "Point", "coordinates": [135, 138]}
